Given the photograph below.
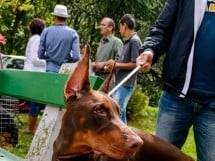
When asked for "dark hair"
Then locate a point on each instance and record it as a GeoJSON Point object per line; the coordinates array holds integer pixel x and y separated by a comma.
{"type": "Point", "coordinates": [36, 26]}
{"type": "Point", "coordinates": [61, 18]}
{"type": "Point", "coordinates": [129, 20]}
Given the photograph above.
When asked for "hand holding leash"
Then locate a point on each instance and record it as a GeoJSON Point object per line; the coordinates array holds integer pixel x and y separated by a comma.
{"type": "Point", "coordinates": [145, 60]}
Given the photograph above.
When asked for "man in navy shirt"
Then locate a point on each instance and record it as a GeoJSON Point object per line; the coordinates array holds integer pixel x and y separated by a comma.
{"type": "Point", "coordinates": [185, 33]}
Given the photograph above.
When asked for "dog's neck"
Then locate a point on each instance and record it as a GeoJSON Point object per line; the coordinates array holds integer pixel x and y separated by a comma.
{"type": "Point", "coordinates": [77, 157]}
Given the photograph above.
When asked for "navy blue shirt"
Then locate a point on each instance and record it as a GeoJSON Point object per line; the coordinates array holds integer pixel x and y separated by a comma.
{"type": "Point", "coordinates": [203, 75]}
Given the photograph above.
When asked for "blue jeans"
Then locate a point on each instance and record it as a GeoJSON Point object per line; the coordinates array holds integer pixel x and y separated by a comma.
{"type": "Point", "coordinates": [175, 117]}
{"type": "Point", "coordinates": [35, 108]}
{"type": "Point", "coordinates": [122, 96]}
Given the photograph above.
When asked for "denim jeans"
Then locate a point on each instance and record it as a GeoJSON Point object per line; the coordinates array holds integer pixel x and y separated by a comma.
{"type": "Point", "coordinates": [175, 117]}
{"type": "Point", "coordinates": [122, 96]}
{"type": "Point", "coordinates": [35, 109]}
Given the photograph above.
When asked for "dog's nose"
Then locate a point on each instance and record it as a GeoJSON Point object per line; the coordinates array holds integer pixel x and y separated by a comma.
{"type": "Point", "coordinates": [135, 142]}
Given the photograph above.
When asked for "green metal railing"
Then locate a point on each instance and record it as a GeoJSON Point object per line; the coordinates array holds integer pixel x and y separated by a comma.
{"type": "Point", "coordinates": [39, 87]}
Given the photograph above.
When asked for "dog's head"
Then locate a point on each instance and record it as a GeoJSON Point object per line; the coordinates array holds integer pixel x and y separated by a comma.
{"type": "Point", "coordinates": [91, 122]}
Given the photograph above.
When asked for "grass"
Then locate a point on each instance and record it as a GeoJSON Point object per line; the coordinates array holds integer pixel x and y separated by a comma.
{"type": "Point", "coordinates": [147, 123]}
{"type": "Point", "coordinates": [25, 138]}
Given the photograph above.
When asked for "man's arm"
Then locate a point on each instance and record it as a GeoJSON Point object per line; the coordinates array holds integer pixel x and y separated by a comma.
{"type": "Point", "coordinates": [42, 46]}
{"type": "Point", "coordinates": [160, 36]}
{"type": "Point", "coordinates": [118, 49]}
{"type": "Point", "coordinates": [75, 52]}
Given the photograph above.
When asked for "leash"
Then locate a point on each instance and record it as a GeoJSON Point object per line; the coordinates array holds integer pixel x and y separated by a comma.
{"type": "Point", "coordinates": [124, 80]}
{"type": "Point", "coordinates": [155, 74]}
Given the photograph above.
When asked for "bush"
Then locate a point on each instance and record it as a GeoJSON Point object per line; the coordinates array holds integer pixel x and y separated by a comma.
{"type": "Point", "coordinates": [136, 104]}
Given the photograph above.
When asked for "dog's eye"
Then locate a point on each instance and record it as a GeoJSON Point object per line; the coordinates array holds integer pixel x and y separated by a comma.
{"type": "Point", "coordinates": [100, 111]}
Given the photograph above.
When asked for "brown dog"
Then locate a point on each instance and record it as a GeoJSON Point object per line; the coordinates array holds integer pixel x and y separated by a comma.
{"type": "Point", "coordinates": [91, 128]}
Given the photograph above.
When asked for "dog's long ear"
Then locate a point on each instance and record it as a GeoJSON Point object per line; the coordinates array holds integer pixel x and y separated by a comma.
{"type": "Point", "coordinates": [105, 87]}
{"type": "Point", "coordinates": [79, 78]}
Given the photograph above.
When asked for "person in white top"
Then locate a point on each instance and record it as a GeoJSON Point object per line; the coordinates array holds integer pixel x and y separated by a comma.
{"type": "Point", "coordinates": [33, 63]}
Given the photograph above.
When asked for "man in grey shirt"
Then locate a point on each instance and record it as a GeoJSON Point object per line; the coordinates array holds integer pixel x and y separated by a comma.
{"type": "Point", "coordinates": [59, 43]}
{"type": "Point", "coordinates": [110, 47]}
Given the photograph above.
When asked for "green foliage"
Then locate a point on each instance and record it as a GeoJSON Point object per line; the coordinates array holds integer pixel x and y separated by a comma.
{"type": "Point", "coordinates": [24, 140]}
{"type": "Point", "coordinates": [136, 104]}
{"type": "Point", "coordinates": [147, 121]}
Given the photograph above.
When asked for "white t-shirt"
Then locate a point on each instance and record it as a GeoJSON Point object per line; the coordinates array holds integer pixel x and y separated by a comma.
{"type": "Point", "coordinates": [32, 62]}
